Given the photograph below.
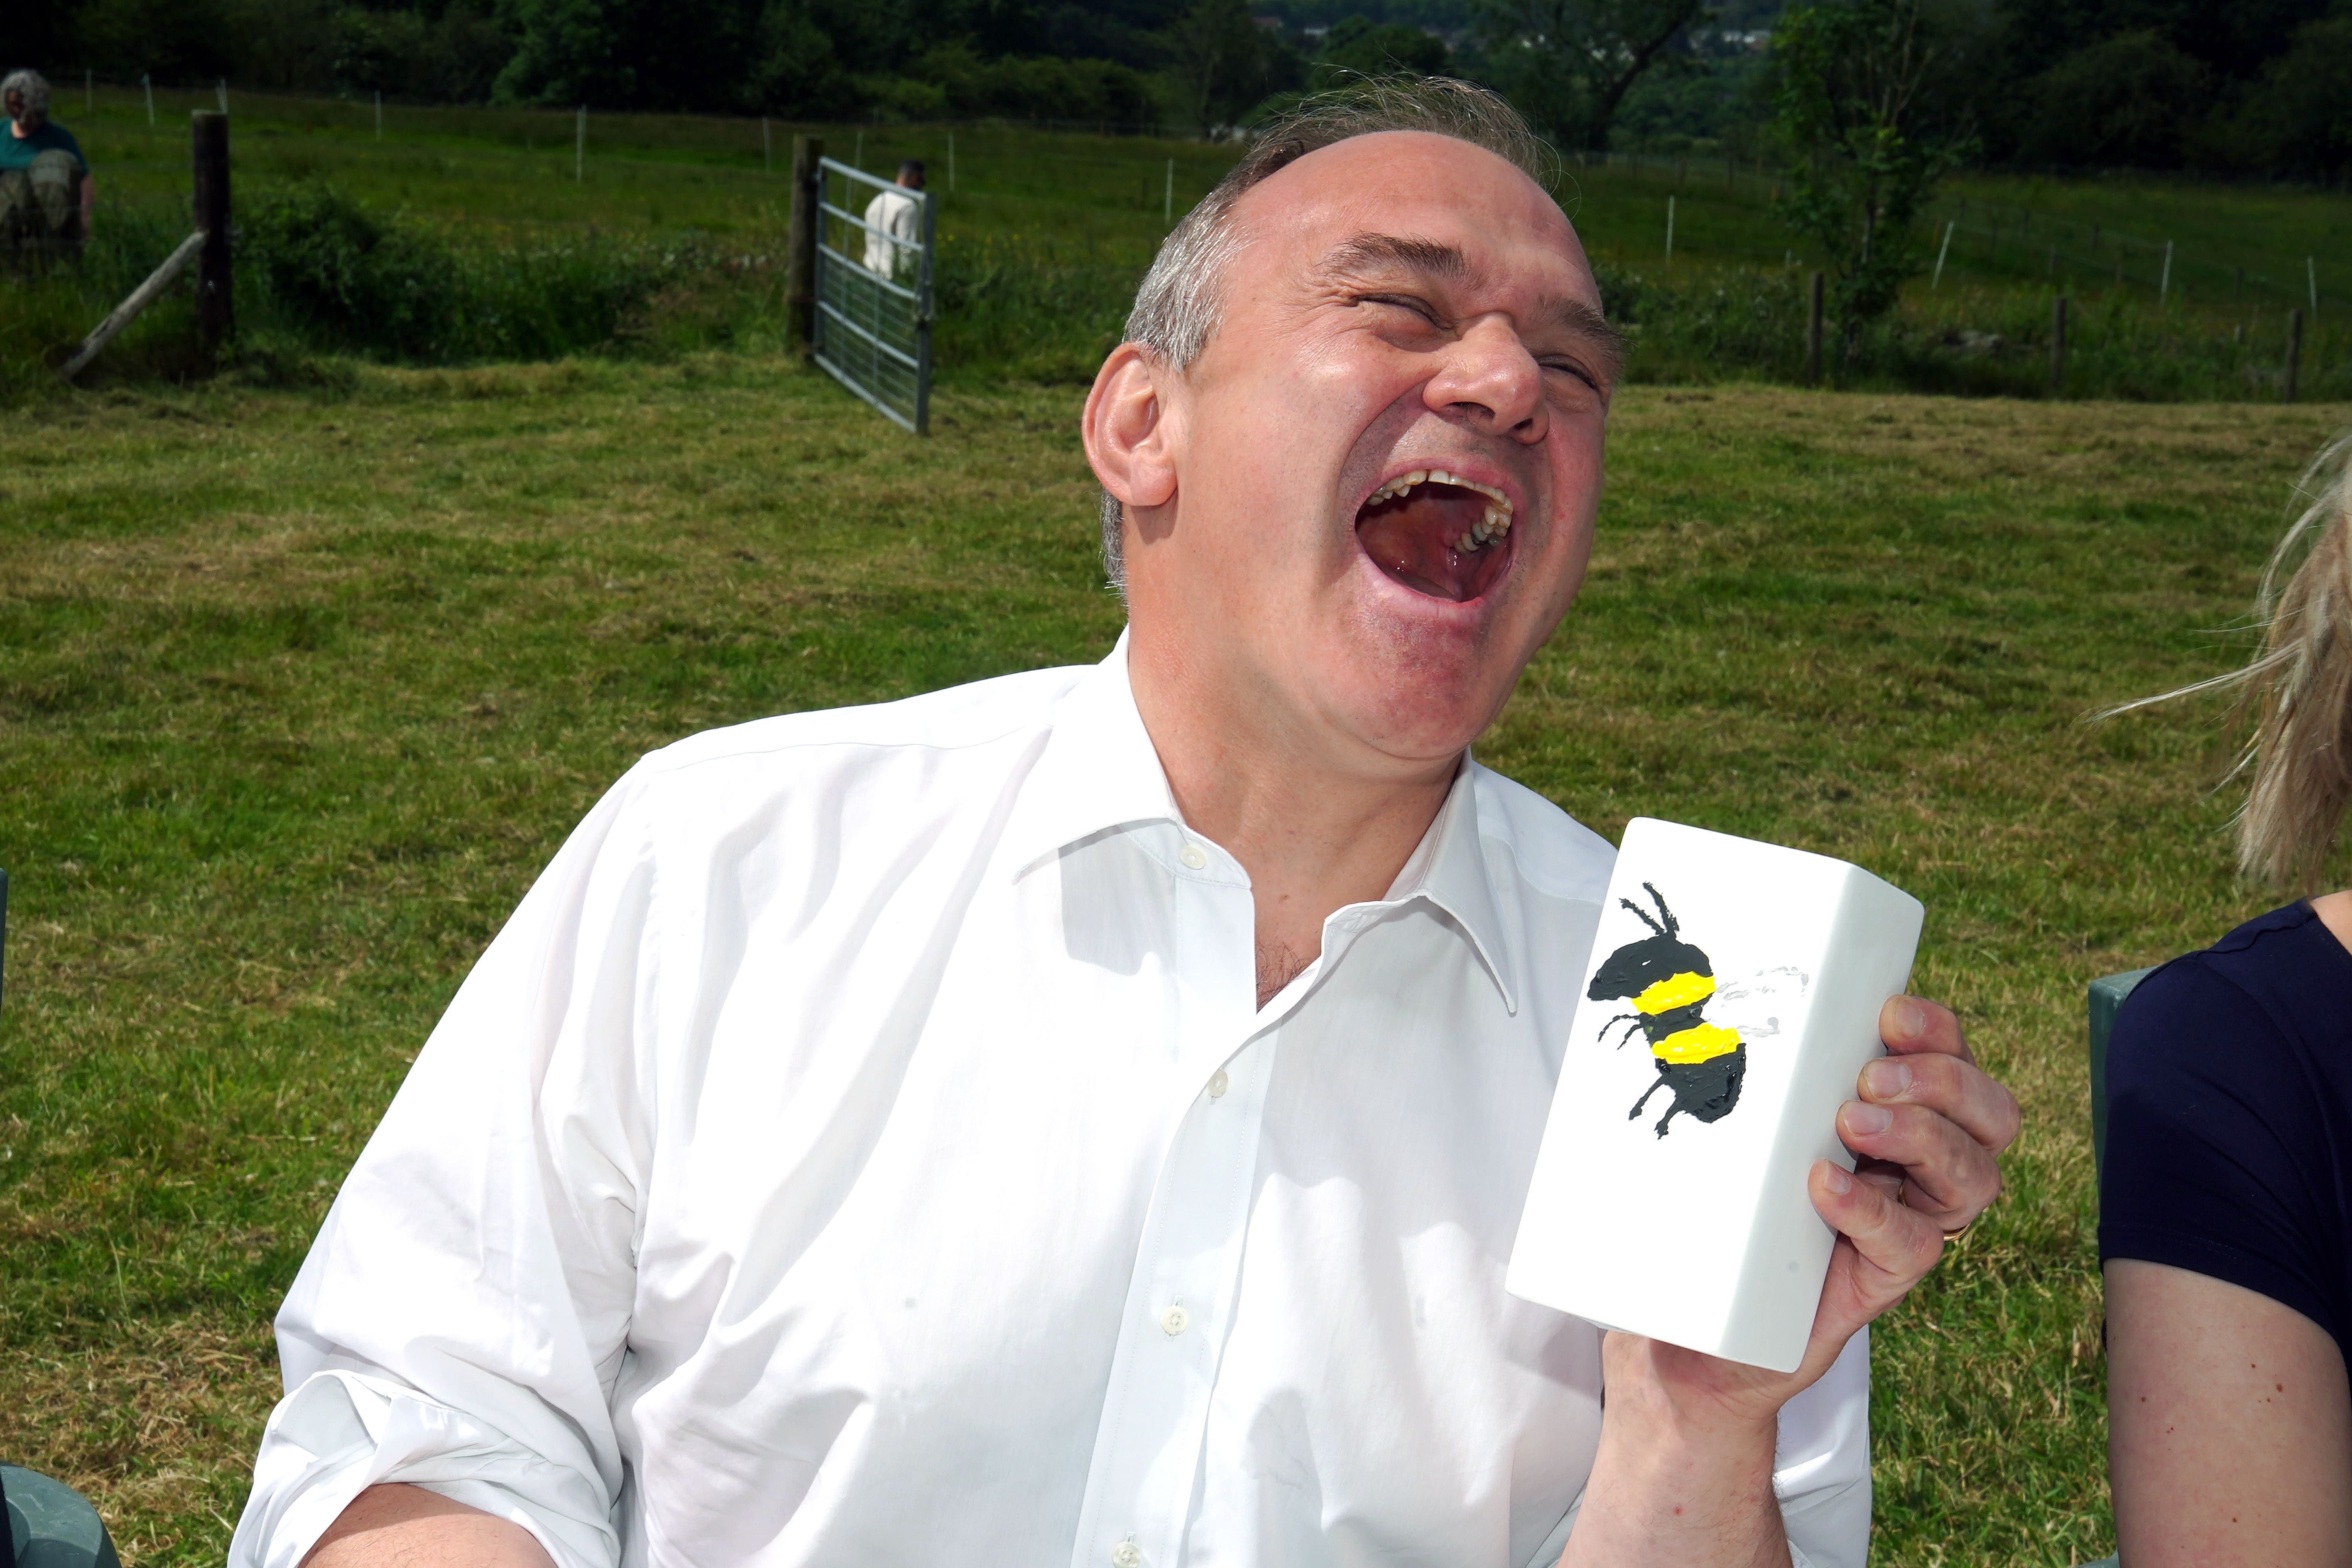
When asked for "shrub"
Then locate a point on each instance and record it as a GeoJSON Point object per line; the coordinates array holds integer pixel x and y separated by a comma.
{"type": "Point", "coordinates": [348, 280]}
{"type": "Point", "coordinates": [2122, 103]}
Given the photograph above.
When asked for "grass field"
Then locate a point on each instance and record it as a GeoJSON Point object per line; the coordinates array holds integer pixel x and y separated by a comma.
{"type": "Point", "coordinates": [1044, 235]}
{"type": "Point", "coordinates": [302, 687]}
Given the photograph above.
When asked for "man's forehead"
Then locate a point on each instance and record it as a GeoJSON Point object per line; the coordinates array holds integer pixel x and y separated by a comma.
{"type": "Point", "coordinates": [1419, 167]}
{"type": "Point", "coordinates": [1407, 198]}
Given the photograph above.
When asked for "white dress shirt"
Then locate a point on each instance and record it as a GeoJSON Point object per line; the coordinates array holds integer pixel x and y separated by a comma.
{"type": "Point", "coordinates": [864, 1146]}
{"type": "Point", "coordinates": [899, 217]}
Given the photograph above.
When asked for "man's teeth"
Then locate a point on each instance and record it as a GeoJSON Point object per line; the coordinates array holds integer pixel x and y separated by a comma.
{"type": "Point", "coordinates": [1489, 528]}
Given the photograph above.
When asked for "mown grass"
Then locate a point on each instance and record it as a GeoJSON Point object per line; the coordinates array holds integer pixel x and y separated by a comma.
{"type": "Point", "coordinates": [302, 686]}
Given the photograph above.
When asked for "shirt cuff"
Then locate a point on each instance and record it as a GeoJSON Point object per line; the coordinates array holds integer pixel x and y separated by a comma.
{"type": "Point", "coordinates": [342, 1432]}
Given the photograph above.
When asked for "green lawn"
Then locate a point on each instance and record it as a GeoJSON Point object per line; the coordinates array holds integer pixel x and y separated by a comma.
{"type": "Point", "coordinates": [1067, 197]}
{"type": "Point", "coordinates": [516, 166]}
{"type": "Point", "coordinates": [302, 689]}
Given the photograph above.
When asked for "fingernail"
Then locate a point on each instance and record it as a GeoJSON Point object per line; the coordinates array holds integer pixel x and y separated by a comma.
{"type": "Point", "coordinates": [1866, 1121]}
{"type": "Point", "coordinates": [1887, 1079]}
{"type": "Point", "coordinates": [1914, 1018]}
{"type": "Point", "coordinates": [1837, 1181]}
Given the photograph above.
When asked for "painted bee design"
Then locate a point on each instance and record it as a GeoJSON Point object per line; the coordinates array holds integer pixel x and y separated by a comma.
{"type": "Point", "coordinates": [1670, 982]}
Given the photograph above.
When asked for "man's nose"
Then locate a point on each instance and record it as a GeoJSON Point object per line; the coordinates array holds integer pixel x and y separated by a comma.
{"type": "Point", "coordinates": [1490, 380]}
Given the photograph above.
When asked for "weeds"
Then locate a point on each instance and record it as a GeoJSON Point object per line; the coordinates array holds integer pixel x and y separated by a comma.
{"type": "Point", "coordinates": [1749, 324]}
{"type": "Point", "coordinates": [320, 275]}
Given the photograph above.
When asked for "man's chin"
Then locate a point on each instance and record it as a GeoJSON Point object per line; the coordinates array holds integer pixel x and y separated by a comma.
{"type": "Point", "coordinates": [1417, 691]}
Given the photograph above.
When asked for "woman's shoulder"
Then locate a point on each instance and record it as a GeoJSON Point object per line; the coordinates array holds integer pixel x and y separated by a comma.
{"type": "Point", "coordinates": [2282, 976]}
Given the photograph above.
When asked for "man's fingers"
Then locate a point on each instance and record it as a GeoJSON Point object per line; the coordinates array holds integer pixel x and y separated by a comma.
{"type": "Point", "coordinates": [1907, 1024]}
{"type": "Point", "coordinates": [1949, 1087]}
{"type": "Point", "coordinates": [1894, 1246]}
{"type": "Point", "coordinates": [1952, 1177]}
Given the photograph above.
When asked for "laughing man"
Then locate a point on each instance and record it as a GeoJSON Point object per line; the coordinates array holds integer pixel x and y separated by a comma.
{"type": "Point", "coordinates": [1082, 1118]}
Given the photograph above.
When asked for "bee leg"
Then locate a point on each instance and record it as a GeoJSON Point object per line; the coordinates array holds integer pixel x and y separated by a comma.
{"type": "Point", "coordinates": [1653, 1089]}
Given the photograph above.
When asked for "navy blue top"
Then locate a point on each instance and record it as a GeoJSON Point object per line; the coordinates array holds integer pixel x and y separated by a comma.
{"type": "Point", "coordinates": [2229, 1116]}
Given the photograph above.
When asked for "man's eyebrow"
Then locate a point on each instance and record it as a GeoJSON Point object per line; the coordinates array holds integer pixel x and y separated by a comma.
{"type": "Point", "coordinates": [1400, 250]}
{"type": "Point", "coordinates": [1584, 321]}
{"type": "Point", "coordinates": [1448, 261]}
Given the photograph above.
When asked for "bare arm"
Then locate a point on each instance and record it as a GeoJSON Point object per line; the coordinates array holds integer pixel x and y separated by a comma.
{"type": "Point", "coordinates": [1684, 1473]}
{"type": "Point", "coordinates": [2229, 1424]}
{"type": "Point", "coordinates": [408, 1527]}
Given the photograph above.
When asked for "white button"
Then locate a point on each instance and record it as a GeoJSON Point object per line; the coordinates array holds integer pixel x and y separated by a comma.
{"type": "Point", "coordinates": [1193, 856]}
{"type": "Point", "coordinates": [1218, 1084]}
{"type": "Point", "coordinates": [1175, 1321]}
{"type": "Point", "coordinates": [1127, 1554]}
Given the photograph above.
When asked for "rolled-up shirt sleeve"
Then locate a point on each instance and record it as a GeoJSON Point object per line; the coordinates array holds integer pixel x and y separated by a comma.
{"type": "Point", "coordinates": [1820, 1471]}
{"type": "Point", "coordinates": [464, 1311]}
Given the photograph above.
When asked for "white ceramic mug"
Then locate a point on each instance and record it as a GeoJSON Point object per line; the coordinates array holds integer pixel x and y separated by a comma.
{"type": "Point", "coordinates": [1729, 1002]}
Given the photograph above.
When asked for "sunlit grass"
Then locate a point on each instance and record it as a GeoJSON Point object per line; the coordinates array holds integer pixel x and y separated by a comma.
{"type": "Point", "coordinates": [302, 687]}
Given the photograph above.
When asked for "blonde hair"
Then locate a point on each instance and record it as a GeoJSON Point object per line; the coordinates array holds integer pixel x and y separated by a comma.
{"type": "Point", "coordinates": [2298, 688]}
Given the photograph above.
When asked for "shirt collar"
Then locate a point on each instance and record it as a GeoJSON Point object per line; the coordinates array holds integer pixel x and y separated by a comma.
{"type": "Point", "coordinates": [1450, 870]}
{"type": "Point", "coordinates": [1099, 771]}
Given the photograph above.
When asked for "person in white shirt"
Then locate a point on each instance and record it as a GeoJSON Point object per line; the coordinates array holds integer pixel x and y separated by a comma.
{"type": "Point", "coordinates": [1082, 1118]}
{"type": "Point", "coordinates": [895, 224]}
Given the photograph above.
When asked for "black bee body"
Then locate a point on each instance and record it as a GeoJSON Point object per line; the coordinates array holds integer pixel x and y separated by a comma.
{"type": "Point", "coordinates": [1669, 981]}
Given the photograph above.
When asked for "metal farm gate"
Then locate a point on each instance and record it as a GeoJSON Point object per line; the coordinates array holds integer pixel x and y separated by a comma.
{"type": "Point", "coordinates": [872, 326]}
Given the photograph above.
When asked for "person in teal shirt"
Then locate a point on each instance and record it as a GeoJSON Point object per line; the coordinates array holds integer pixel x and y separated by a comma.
{"type": "Point", "coordinates": [45, 191]}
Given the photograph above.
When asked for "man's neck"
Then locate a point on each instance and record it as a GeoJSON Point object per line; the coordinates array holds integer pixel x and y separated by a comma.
{"type": "Point", "coordinates": [1316, 831]}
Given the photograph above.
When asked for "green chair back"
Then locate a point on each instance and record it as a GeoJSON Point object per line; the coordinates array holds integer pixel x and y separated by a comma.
{"type": "Point", "coordinates": [50, 1525]}
{"type": "Point", "coordinates": [2107, 994]}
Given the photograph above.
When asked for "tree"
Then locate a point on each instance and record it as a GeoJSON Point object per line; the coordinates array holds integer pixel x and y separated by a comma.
{"type": "Point", "coordinates": [2121, 103]}
{"type": "Point", "coordinates": [1356, 47]}
{"type": "Point", "coordinates": [1222, 61]}
{"type": "Point", "coordinates": [615, 54]}
{"type": "Point", "coordinates": [2303, 115]}
{"type": "Point", "coordinates": [1569, 63]}
{"type": "Point", "coordinates": [1863, 143]}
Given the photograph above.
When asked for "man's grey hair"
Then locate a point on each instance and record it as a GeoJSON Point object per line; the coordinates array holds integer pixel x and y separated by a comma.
{"type": "Point", "coordinates": [1181, 300]}
{"type": "Point", "coordinates": [34, 86]}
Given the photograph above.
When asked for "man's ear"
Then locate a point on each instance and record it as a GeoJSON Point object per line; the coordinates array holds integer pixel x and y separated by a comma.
{"type": "Point", "coordinates": [1128, 431]}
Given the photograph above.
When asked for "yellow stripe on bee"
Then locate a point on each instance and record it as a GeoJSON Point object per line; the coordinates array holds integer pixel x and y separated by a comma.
{"type": "Point", "coordinates": [1699, 1043]}
{"type": "Point", "coordinates": [1674, 990]}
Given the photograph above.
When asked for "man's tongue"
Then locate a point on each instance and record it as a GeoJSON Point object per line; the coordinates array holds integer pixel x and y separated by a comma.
{"type": "Point", "coordinates": [1416, 538]}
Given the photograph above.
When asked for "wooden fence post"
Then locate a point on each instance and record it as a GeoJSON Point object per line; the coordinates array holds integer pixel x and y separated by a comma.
{"type": "Point", "coordinates": [801, 298]}
{"type": "Point", "coordinates": [2294, 349]}
{"type": "Point", "coordinates": [2058, 347]}
{"type": "Point", "coordinates": [216, 296]}
{"type": "Point", "coordinates": [1813, 334]}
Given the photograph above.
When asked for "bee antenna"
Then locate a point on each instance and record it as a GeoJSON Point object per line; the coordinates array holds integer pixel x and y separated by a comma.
{"type": "Point", "coordinates": [1672, 927]}
{"type": "Point", "coordinates": [1666, 930]}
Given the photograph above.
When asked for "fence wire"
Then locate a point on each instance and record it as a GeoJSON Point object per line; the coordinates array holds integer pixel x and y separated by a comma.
{"type": "Point", "coordinates": [873, 327]}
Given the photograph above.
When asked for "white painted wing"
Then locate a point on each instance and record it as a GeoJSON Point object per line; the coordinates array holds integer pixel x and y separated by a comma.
{"type": "Point", "coordinates": [1761, 1006]}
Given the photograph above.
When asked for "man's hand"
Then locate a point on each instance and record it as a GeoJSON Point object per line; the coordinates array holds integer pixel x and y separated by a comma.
{"type": "Point", "coordinates": [1685, 1471]}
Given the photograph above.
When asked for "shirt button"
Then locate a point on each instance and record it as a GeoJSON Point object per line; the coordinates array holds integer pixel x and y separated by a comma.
{"type": "Point", "coordinates": [1127, 1554]}
{"type": "Point", "coordinates": [1218, 1084]}
{"type": "Point", "coordinates": [1175, 1321]}
{"type": "Point", "coordinates": [1193, 857]}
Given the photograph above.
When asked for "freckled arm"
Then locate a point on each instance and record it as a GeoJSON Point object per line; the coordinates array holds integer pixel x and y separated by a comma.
{"type": "Point", "coordinates": [2229, 1424]}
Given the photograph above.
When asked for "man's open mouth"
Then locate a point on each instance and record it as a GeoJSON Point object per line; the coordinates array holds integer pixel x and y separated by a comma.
{"type": "Point", "coordinates": [1437, 533]}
